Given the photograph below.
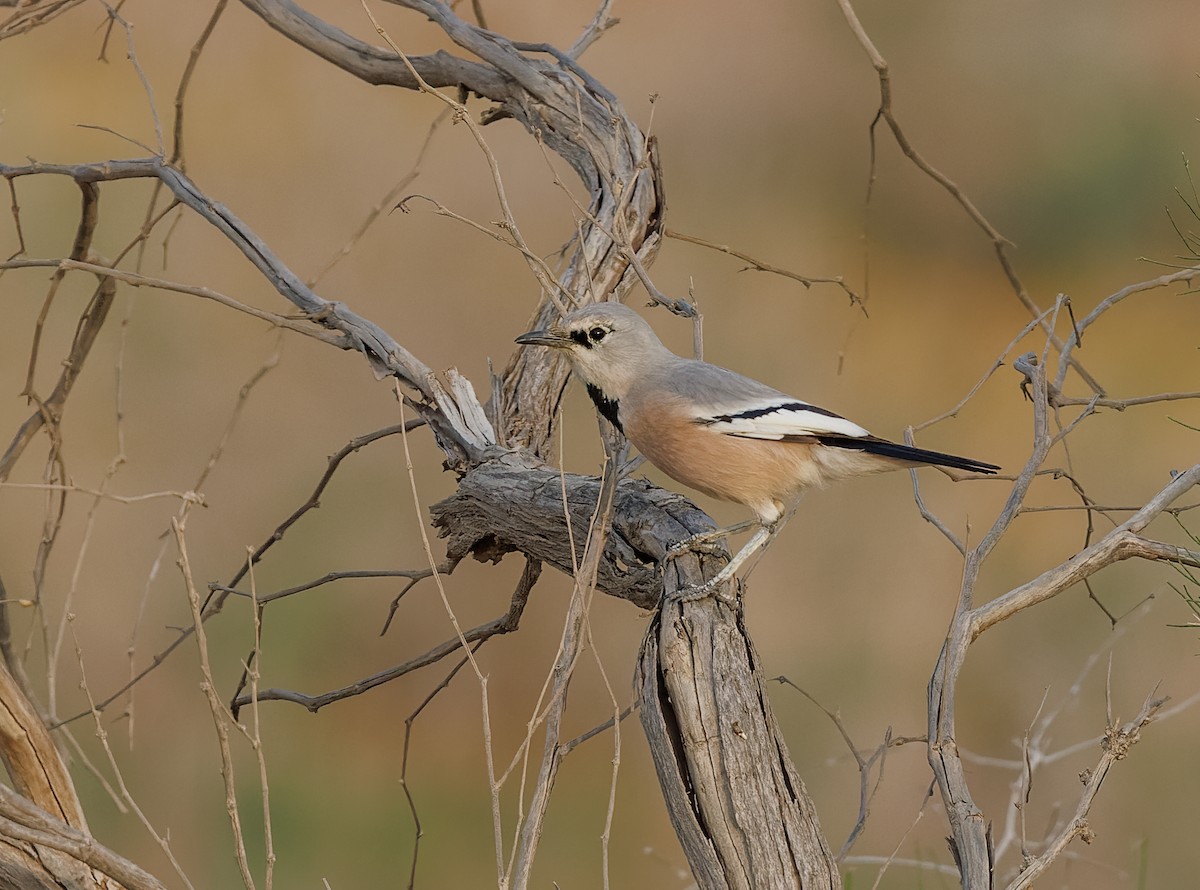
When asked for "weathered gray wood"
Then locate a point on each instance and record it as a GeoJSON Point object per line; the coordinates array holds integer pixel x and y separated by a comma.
{"type": "Point", "coordinates": [514, 502]}
{"type": "Point", "coordinates": [741, 811]}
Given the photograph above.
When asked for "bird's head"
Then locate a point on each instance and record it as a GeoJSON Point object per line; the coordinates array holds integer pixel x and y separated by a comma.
{"type": "Point", "coordinates": [610, 346]}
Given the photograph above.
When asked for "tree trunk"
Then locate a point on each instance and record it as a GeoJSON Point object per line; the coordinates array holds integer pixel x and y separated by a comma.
{"type": "Point", "coordinates": [741, 811]}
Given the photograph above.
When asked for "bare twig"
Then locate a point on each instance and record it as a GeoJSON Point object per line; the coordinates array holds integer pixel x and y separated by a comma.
{"type": "Point", "coordinates": [92, 320]}
{"type": "Point", "coordinates": [461, 429]}
{"type": "Point", "coordinates": [505, 623]}
{"type": "Point", "coordinates": [866, 791]}
{"type": "Point", "coordinates": [1067, 350]}
{"type": "Point", "coordinates": [1116, 744]}
{"type": "Point", "coordinates": [178, 157]}
{"type": "Point", "coordinates": [1000, 244]}
{"type": "Point", "coordinates": [480, 677]}
{"type": "Point", "coordinates": [891, 860]}
{"type": "Point", "coordinates": [548, 282]}
{"type": "Point", "coordinates": [594, 31]}
{"type": "Point", "coordinates": [1123, 542]}
{"type": "Point", "coordinates": [386, 202]}
{"type": "Point", "coordinates": [759, 266]}
{"type": "Point", "coordinates": [253, 733]}
{"type": "Point", "coordinates": [131, 54]}
{"type": "Point", "coordinates": [126, 797]}
{"type": "Point", "coordinates": [570, 646]}
{"type": "Point", "coordinates": [206, 293]}
{"type": "Point", "coordinates": [220, 716]}
{"type": "Point", "coordinates": [995, 366]}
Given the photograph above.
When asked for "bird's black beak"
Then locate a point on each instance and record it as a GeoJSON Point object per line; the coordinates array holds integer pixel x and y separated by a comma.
{"type": "Point", "coordinates": [547, 337]}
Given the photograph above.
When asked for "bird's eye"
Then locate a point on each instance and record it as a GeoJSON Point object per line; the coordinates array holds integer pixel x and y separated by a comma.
{"type": "Point", "coordinates": [597, 334]}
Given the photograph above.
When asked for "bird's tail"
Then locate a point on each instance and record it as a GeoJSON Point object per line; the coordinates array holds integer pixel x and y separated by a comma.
{"type": "Point", "coordinates": [884, 448]}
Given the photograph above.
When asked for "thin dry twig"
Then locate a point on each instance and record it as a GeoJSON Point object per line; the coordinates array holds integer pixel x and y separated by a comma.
{"type": "Point", "coordinates": [570, 647]}
{"type": "Point", "coordinates": [137, 280]}
{"type": "Point", "coordinates": [480, 677]}
{"type": "Point", "coordinates": [194, 497]}
{"type": "Point", "coordinates": [178, 157]}
{"type": "Point", "coordinates": [892, 859]}
{"type": "Point", "coordinates": [1066, 351]}
{"type": "Point", "coordinates": [388, 201]}
{"type": "Point", "coordinates": [131, 55]}
{"type": "Point", "coordinates": [1000, 244]}
{"type": "Point", "coordinates": [545, 274]}
{"type": "Point", "coordinates": [1116, 744]}
{"type": "Point", "coordinates": [757, 265]}
{"type": "Point", "coordinates": [501, 625]}
{"type": "Point", "coordinates": [595, 29]}
{"type": "Point", "coordinates": [623, 242]}
{"type": "Point", "coordinates": [995, 366]}
{"type": "Point", "coordinates": [253, 733]}
{"type": "Point", "coordinates": [220, 716]}
{"type": "Point", "coordinates": [866, 790]}
{"type": "Point", "coordinates": [125, 796]}
{"type": "Point", "coordinates": [413, 575]}
{"type": "Point", "coordinates": [528, 578]}
{"type": "Point", "coordinates": [1123, 542]}
{"type": "Point", "coordinates": [548, 282]}
{"type": "Point", "coordinates": [101, 495]}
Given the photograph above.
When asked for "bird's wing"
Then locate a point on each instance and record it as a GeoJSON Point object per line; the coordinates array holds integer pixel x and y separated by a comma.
{"type": "Point", "coordinates": [783, 420]}
{"type": "Point", "coordinates": [733, 405]}
{"type": "Point", "coordinates": [800, 422]}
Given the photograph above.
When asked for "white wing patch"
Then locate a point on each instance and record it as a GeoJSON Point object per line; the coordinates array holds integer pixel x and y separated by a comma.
{"type": "Point", "coordinates": [783, 420]}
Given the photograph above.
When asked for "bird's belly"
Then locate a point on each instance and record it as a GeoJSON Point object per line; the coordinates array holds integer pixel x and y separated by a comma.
{"type": "Point", "coordinates": [754, 472]}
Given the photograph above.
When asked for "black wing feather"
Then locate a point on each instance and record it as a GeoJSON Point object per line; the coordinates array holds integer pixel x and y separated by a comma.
{"type": "Point", "coordinates": [884, 448]}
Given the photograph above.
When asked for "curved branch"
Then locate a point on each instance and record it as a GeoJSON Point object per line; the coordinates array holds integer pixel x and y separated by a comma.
{"type": "Point", "coordinates": [25, 821]}
{"type": "Point", "coordinates": [373, 64]}
{"type": "Point", "coordinates": [455, 416]}
{"type": "Point", "coordinates": [577, 119]}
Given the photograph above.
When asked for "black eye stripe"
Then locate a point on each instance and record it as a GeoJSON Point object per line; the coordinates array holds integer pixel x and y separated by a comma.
{"type": "Point", "coordinates": [591, 336]}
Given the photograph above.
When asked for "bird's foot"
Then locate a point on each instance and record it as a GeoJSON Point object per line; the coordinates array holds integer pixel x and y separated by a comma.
{"type": "Point", "coordinates": [715, 588]}
{"type": "Point", "coordinates": [706, 542]}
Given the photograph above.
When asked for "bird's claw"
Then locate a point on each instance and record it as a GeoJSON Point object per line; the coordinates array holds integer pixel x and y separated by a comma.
{"type": "Point", "coordinates": [704, 542]}
{"type": "Point", "coordinates": [714, 588]}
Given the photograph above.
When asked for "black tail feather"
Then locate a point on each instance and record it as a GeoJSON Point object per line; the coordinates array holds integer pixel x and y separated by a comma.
{"type": "Point", "coordinates": [884, 448]}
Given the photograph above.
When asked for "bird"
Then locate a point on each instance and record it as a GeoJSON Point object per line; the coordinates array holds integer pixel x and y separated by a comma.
{"type": "Point", "coordinates": [715, 430]}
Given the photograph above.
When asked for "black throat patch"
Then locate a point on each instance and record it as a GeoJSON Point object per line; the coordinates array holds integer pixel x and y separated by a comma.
{"type": "Point", "coordinates": [606, 406]}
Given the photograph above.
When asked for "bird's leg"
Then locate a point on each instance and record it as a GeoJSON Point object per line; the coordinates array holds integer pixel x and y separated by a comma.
{"type": "Point", "coordinates": [767, 530]}
{"type": "Point", "coordinates": [764, 534]}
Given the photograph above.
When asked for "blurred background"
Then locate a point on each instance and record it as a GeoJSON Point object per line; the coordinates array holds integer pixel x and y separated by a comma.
{"type": "Point", "coordinates": [1068, 124]}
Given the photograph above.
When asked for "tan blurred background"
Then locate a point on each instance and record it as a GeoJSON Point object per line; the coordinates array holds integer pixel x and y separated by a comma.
{"type": "Point", "coordinates": [1066, 123]}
